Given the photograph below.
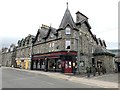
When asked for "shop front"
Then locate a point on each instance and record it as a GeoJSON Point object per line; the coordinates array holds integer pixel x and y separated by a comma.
{"type": "Point", "coordinates": [56, 61]}
{"type": "Point", "coordinates": [23, 63]}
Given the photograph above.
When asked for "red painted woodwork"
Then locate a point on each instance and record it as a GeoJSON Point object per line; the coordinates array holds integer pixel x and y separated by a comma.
{"type": "Point", "coordinates": [68, 67]}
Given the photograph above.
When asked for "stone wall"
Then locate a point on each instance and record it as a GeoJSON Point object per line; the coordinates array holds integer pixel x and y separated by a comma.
{"type": "Point", "coordinates": [107, 62]}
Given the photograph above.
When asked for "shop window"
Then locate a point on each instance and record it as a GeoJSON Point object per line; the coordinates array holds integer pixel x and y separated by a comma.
{"type": "Point", "coordinates": [67, 30]}
{"type": "Point", "coordinates": [67, 46]}
{"type": "Point", "coordinates": [58, 64]}
{"type": "Point", "coordinates": [51, 64]}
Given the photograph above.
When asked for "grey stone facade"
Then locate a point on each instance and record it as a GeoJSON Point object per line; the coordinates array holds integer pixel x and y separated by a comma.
{"type": "Point", "coordinates": [81, 40]}
{"type": "Point", "coordinates": [71, 38]}
{"type": "Point", "coordinates": [1, 57]}
{"type": "Point", "coordinates": [23, 52]}
{"type": "Point", "coordinates": [116, 58]}
{"type": "Point", "coordinates": [8, 56]}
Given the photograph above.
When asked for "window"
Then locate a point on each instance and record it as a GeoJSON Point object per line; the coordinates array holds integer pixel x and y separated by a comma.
{"type": "Point", "coordinates": [53, 44]}
{"type": "Point", "coordinates": [57, 47]}
{"type": "Point", "coordinates": [59, 34]}
{"type": "Point", "coordinates": [92, 50]}
{"type": "Point", "coordinates": [67, 30]}
{"type": "Point", "coordinates": [51, 36]}
{"type": "Point", "coordinates": [67, 44]}
{"type": "Point", "coordinates": [93, 60]}
{"type": "Point", "coordinates": [82, 64]}
{"type": "Point", "coordinates": [50, 45]}
{"type": "Point", "coordinates": [76, 45]}
{"type": "Point", "coordinates": [39, 38]}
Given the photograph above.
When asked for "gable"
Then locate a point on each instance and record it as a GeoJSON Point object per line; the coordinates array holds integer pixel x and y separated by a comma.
{"type": "Point", "coordinates": [51, 35]}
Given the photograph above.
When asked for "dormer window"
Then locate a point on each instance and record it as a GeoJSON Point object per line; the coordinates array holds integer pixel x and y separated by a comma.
{"type": "Point", "coordinates": [51, 36]}
{"type": "Point", "coordinates": [67, 30]}
{"type": "Point", "coordinates": [39, 38]}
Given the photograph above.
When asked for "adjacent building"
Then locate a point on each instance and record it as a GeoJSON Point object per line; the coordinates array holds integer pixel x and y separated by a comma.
{"type": "Point", "coordinates": [9, 55]}
{"type": "Point", "coordinates": [0, 57]}
{"type": "Point", "coordinates": [117, 58]}
{"type": "Point", "coordinates": [23, 52]}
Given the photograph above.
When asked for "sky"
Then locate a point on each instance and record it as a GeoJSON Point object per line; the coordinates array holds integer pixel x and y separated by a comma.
{"type": "Point", "coordinates": [18, 18]}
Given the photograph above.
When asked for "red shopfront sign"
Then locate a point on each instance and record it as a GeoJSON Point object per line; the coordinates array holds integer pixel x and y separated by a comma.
{"type": "Point", "coordinates": [52, 55]}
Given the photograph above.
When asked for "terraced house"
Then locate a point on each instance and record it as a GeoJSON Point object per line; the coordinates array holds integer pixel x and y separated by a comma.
{"type": "Point", "coordinates": [71, 45]}
{"type": "Point", "coordinates": [8, 56]}
{"type": "Point", "coordinates": [23, 52]}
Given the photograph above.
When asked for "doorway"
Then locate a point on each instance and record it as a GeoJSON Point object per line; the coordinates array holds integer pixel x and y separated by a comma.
{"type": "Point", "coordinates": [118, 66]}
{"type": "Point", "coordinates": [68, 67]}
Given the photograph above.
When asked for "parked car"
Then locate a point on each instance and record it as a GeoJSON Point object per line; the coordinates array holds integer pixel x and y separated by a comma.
{"type": "Point", "coordinates": [0, 65]}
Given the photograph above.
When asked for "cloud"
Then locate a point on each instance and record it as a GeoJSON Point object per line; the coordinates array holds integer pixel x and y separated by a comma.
{"type": "Point", "coordinates": [112, 45]}
{"type": "Point", "coordinates": [7, 41]}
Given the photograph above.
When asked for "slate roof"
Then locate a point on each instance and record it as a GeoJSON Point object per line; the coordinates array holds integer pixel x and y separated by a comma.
{"type": "Point", "coordinates": [82, 17]}
{"type": "Point", "coordinates": [102, 51]}
{"type": "Point", "coordinates": [53, 30]}
{"type": "Point", "coordinates": [67, 19]}
{"type": "Point", "coordinates": [45, 32]}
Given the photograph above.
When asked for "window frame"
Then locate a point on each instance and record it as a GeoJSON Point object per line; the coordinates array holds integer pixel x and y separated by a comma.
{"type": "Point", "coordinates": [67, 30]}
{"type": "Point", "coordinates": [67, 43]}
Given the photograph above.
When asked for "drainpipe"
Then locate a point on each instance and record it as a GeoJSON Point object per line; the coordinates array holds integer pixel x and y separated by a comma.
{"type": "Point", "coordinates": [31, 52]}
{"type": "Point", "coordinates": [78, 53]}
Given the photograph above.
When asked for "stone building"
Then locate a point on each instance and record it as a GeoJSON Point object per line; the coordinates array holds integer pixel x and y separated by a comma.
{"type": "Point", "coordinates": [4, 51]}
{"type": "Point", "coordinates": [1, 57]}
{"type": "Point", "coordinates": [116, 59]}
{"type": "Point", "coordinates": [23, 52]}
{"type": "Point", "coordinates": [8, 56]}
{"type": "Point", "coordinates": [71, 45]}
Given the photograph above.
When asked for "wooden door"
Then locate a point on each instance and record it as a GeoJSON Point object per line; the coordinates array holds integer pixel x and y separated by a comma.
{"type": "Point", "coordinates": [68, 67]}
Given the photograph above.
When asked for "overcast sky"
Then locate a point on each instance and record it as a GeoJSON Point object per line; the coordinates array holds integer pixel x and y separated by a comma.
{"type": "Point", "coordinates": [18, 18]}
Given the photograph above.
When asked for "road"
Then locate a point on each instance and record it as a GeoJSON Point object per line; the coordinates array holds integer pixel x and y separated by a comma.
{"type": "Point", "coordinates": [12, 78]}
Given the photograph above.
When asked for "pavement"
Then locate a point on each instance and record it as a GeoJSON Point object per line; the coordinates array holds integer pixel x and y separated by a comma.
{"type": "Point", "coordinates": [103, 81]}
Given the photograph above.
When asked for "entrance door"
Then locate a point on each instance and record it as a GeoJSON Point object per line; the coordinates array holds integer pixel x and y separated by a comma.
{"type": "Point", "coordinates": [68, 67]}
{"type": "Point", "coordinates": [118, 67]}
